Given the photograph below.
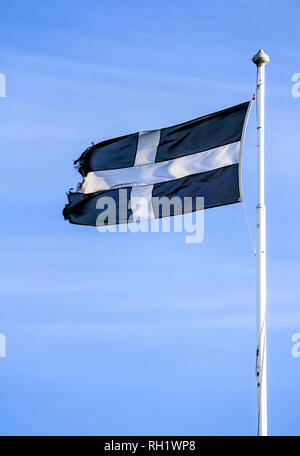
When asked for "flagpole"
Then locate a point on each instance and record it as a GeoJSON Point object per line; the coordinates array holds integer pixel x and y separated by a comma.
{"type": "Point", "coordinates": [260, 60]}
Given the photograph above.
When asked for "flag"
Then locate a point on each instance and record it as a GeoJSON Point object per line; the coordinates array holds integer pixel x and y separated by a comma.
{"type": "Point", "coordinates": [198, 158]}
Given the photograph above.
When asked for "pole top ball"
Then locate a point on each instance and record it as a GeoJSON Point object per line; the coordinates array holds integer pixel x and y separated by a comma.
{"type": "Point", "coordinates": [261, 58]}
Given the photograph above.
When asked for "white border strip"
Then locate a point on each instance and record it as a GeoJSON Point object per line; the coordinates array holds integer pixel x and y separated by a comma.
{"type": "Point", "coordinates": [141, 196]}
{"type": "Point", "coordinates": [141, 203]}
{"type": "Point", "coordinates": [147, 147]}
{"type": "Point", "coordinates": [242, 149]}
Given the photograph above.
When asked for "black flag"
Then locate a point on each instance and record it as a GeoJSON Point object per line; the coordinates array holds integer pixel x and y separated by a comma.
{"type": "Point", "coordinates": [199, 158]}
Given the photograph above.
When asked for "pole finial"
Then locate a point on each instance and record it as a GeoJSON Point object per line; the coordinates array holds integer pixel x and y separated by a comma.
{"type": "Point", "coordinates": [261, 58]}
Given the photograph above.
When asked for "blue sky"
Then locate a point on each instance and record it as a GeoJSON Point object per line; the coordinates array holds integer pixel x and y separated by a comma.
{"type": "Point", "coordinates": [142, 334]}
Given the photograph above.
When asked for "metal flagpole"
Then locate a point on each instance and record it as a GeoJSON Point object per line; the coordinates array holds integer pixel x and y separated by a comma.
{"type": "Point", "coordinates": [260, 60]}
